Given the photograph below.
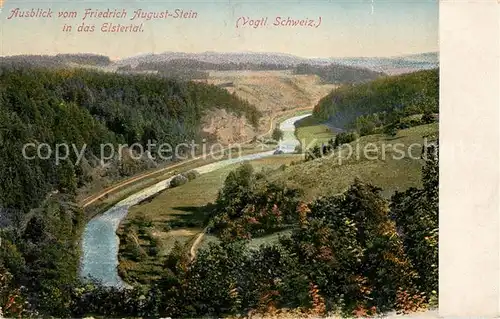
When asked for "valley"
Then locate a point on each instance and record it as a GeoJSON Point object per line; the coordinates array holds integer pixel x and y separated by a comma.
{"type": "Point", "coordinates": [329, 207]}
{"type": "Point", "coordinates": [99, 239]}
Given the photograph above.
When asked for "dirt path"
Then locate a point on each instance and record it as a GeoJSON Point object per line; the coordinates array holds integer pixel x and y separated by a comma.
{"type": "Point", "coordinates": [196, 243]}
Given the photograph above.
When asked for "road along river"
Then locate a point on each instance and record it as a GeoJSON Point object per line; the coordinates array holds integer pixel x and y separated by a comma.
{"type": "Point", "coordinates": [100, 242]}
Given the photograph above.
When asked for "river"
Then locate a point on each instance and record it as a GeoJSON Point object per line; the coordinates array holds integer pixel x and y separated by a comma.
{"type": "Point", "coordinates": [100, 242]}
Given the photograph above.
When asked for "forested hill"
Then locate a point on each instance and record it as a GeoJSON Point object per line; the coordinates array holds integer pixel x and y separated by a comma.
{"type": "Point", "coordinates": [93, 108]}
{"type": "Point", "coordinates": [207, 66]}
{"type": "Point", "coordinates": [57, 61]}
{"type": "Point", "coordinates": [338, 74]}
{"type": "Point", "coordinates": [381, 101]}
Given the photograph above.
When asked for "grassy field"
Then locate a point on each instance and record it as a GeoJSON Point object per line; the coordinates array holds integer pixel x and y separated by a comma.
{"type": "Point", "coordinates": [335, 173]}
{"type": "Point", "coordinates": [176, 214]}
{"type": "Point", "coordinates": [311, 132]}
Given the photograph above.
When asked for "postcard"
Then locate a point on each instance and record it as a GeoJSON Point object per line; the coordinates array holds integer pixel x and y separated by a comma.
{"type": "Point", "coordinates": [219, 158]}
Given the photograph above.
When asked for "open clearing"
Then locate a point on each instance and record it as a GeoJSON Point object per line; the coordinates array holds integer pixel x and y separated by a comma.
{"type": "Point", "coordinates": [253, 244]}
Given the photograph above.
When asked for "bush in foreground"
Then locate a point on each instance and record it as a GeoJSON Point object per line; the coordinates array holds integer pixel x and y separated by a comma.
{"type": "Point", "coordinates": [178, 180]}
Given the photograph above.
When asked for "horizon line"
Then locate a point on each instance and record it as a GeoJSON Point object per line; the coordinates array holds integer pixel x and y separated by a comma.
{"type": "Point", "coordinates": [115, 59]}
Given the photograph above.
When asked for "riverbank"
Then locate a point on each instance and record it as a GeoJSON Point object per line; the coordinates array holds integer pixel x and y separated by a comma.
{"type": "Point", "coordinates": [177, 216]}
{"type": "Point", "coordinates": [101, 200]}
{"type": "Point", "coordinates": [100, 243]}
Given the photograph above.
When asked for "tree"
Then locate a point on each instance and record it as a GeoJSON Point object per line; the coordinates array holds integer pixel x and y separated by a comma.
{"type": "Point", "coordinates": [66, 177]}
{"type": "Point", "coordinates": [428, 118]}
{"type": "Point", "coordinates": [248, 206]}
{"type": "Point", "coordinates": [349, 247]}
{"type": "Point", "coordinates": [214, 279]}
{"type": "Point", "coordinates": [415, 212]}
{"type": "Point", "coordinates": [277, 134]}
{"type": "Point", "coordinates": [178, 180]}
{"type": "Point", "coordinates": [380, 102]}
{"type": "Point", "coordinates": [12, 303]}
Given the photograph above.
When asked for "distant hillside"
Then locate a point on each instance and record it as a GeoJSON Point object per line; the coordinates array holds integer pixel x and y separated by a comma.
{"type": "Point", "coordinates": [225, 61]}
{"type": "Point", "coordinates": [338, 74]}
{"type": "Point", "coordinates": [381, 101]}
{"type": "Point", "coordinates": [390, 65]}
{"type": "Point", "coordinates": [54, 61]}
{"type": "Point", "coordinates": [201, 65]}
{"type": "Point", "coordinates": [196, 69]}
{"type": "Point", "coordinates": [189, 69]}
{"type": "Point", "coordinates": [217, 58]}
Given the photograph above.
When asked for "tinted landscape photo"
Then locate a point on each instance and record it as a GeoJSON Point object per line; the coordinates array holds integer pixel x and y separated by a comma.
{"type": "Point", "coordinates": [218, 159]}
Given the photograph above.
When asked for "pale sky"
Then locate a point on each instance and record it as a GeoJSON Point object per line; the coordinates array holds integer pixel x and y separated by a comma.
{"type": "Point", "coordinates": [348, 28]}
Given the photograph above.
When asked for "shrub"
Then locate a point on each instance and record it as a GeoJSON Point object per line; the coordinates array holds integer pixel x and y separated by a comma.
{"type": "Point", "coordinates": [277, 134]}
{"type": "Point", "coordinates": [167, 227]}
{"type": "Point", "coordinates": [345, 138]}
{"type": "Point", "coordinates": [155, 246]}
{"type": "Point", "coordinates": [428, 118]}
{"type": "Point", "coordinates": [416, 214]}
{"type": "Point", "coordinates": [390, 130]}
{"type": "Point", "coordinates": [191, 175]}
{"type": "Point", "coordinates": [142, 221]}
{"type": "Point", "coordinates": [178, 180]}
{"type": "Point", "coordinates": [134, 251]}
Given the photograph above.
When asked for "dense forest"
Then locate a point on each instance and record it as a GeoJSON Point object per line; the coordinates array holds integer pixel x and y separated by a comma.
{"type": "Point", "coordinates": [338, 74]}
{"type": "Point", "coordinates": [385, 101]}
{"type": "Point", "coordinates": [357, 253]}
{"type": "Point", "coordinates": [171, 73]}
{"type": "Point", "coordinates": [205, 66]}
{"type": "Point", "coordinates": [91, 108]}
